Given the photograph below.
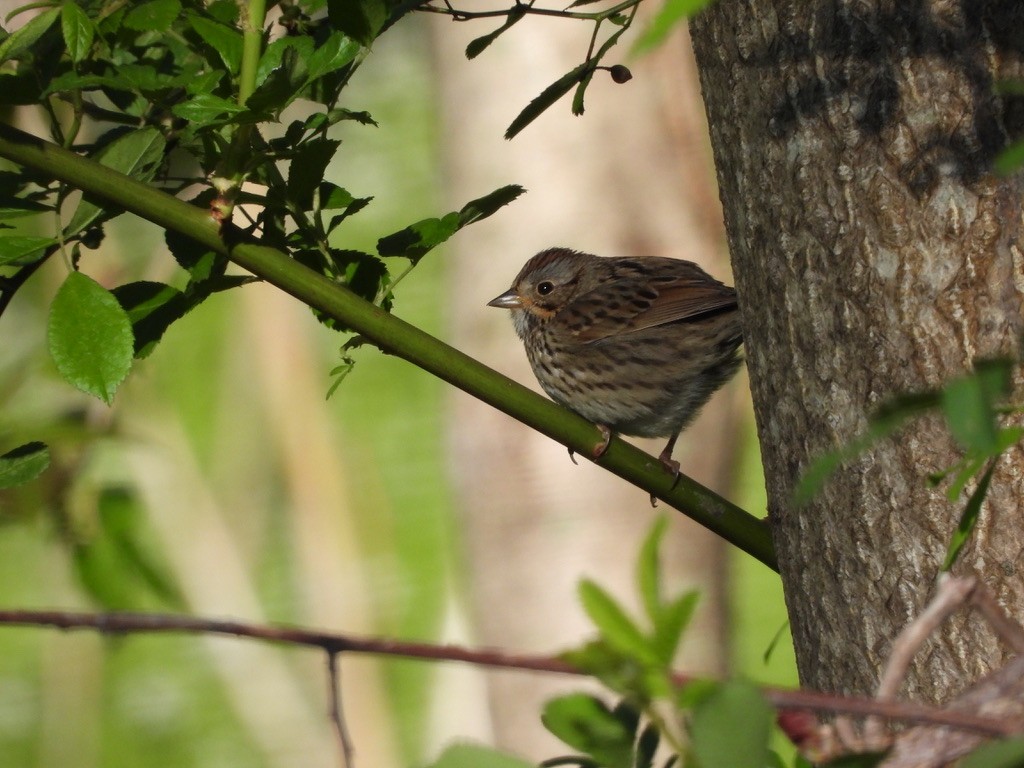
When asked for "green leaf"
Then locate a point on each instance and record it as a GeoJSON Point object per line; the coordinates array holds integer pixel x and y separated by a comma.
{"type": "Point", "coordinates": [889, 417]}
{"type": "Point", "coordinates": [585, 723]}
{"type": "Point", "coordinates": [362, 20]}
{"type": "Point", "coordinates": [860, 760]}
{"type": "Point", "coordinates": [118, 565]}
{"type": "Point", "coordinates": [480, 44]}
{"type": "Point", "coordinates": [968, 403]}
{"type": "Point", "coordinates": [23, 464]}
{"type": "Point", "coordinates": [648, 570]}
{"type": "Point", "coordinates": [1008, 753]}
{"type": "Point", "coordinates": [336, 51]}
{"type": "Point", "coordinates": [90, 337]}
{"type": "Point", "coordinates": [282, 85]}
{"type": "Point", "coordinates": [476, 756]}
{"type": "Point", "coordinates": [670, 626]}
{"type": "Point", "coordinates": [1010, 160]}
{"type": "Point", "coordinates": [24, 38]}
{"type": "Point", "coordinates": [671, 14]}
{"type": "Point", "coordinates": [155, 15]}
{"type": "Point", "coordinates": [225, 40]}
{"type": "Point", "coordinates": [731, 727]}
{"type": "Point", "coordinates": [307, 169]}
{"type": "Point", "coordinates": [274, 55]}
{"type": "Point", "coordinates": [418, 239]}
{"type": "Point", "coordinates": [547, 97]}
{"type": "Point", "coordinates": [207, 109]}
{"type": "Point", "coordinates": [137, 154]}
{"type": "Point", "coordinates": [152, 308]}
{"type": "Point", "coordinates": [78, 31]}
{"type": "Point", "coordinates": [614, 624]}
{"type": "Point", "coordinates": [969, 518]}
{"type": "Point", "coordinates": [22, 250]}
{"type": "Point", "coordinates": [482, 207]}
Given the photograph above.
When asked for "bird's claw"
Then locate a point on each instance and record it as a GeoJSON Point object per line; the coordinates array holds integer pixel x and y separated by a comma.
{"type": "Point", "coordinates": [601, 447]}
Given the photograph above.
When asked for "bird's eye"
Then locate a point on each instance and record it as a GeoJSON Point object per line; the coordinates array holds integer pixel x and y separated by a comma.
{"type": "Point", "coordinates": [545, 288]}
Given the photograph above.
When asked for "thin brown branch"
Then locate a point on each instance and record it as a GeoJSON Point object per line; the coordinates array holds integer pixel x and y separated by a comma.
{"type": "Point", "coordinates": [334, 643]}
{"type": "Point", "coordinates": [951, 594]}
{"type": "Point", "coordinates": [336, 713]}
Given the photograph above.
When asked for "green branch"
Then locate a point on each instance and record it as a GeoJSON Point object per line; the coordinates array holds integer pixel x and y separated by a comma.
{"type": "Point", "coordinates": [392, 335]}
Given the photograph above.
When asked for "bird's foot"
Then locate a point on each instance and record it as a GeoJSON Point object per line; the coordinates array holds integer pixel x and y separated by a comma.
{"type": "Point", "coordinates": [670, 464]}
{"type": "Point", "coordinates": [601, 447]}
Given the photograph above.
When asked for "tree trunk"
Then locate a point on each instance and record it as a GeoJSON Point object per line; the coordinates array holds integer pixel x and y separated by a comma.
{"type": "Point", "coordinates": [875, 253]}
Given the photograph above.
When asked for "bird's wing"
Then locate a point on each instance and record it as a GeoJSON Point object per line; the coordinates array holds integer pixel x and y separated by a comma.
{"type": "Point", "coordinates": [632, 304]}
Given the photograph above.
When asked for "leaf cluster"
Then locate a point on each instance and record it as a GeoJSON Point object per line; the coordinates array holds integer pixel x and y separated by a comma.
{"type": "Point", "coordinates": [694, 724]}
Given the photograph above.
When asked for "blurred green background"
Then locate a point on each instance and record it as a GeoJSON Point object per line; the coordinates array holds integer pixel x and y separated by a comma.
{"type": "Point", "coordinates": [223, 483]}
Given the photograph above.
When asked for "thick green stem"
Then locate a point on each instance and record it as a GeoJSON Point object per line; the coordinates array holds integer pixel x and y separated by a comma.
{"type": "Point", "coordinates": [393, 335]}
{"type": "Point", "coordinates": [252, 47]}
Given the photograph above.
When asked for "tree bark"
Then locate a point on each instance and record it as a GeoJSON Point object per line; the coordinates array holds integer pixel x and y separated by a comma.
{"type": "Point", "coordinates": [875, 253]}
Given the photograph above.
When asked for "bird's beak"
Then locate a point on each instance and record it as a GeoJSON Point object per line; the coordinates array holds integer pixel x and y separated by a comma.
{"type": "Point", "coordinates": [508, 300]}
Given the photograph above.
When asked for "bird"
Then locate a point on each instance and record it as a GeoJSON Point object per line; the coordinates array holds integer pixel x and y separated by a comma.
{"type": "Point", "coordinates": [636, 345]}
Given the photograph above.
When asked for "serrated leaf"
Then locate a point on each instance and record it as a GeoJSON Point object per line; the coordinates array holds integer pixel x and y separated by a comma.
{"type": "Point", "coordinates": [477, 756]}
{"type": "Point", "coordinates": [969, 518]}
{"type": "Point", "coordinates": [90, 337]}
{"type": "Point", "coordinates": [206, 109]}
{"type": "Point", "coordinates": [615, 626]}
{"type": "Point", "coordinates": [12, 207]}
{"type": "Point", "coordinates": [547, 97]}
{"type": "Point", "coordinates": [22, 250]}
{"type": "Point", "coordinates": [78, 31]}
{"type": "Point", "coordinates": [200, 261]}
{"type": "Point", "coordinates": [307, 169]}
{"type": "Point", "coordinates": [1007, 753]}
{"type": "Point", "coordinates": [273, 55]}
{"type": "Point", "coordinates": [154, 15]}
{"type": "Point", "coordinates": [585, 723]}
{"type": "Point", "coordinates": [225, 40]}
{"type": "Point", "coordinates": [282, 85]}
{"type": "Point", "coordinates": [418, 239]}
{"type": "Point", "coordinates": [152, 308]}
{"type": "Point", "coordinates": [362, 20]}
{"type": "Point", "coordinates": [25, 37]}
{"type": "Point", "coordinates": [671, 14]}
{"type": "Point", "coordinates": [337, 51]}
{"type": "Point", "coordinates": [23, 464]}
{"type": "Point", "coordinates": [137, 154]}
{"type": "Point", "coordinates": [716, 737]}
{"type": "Point", "coordinates": [482, 207]}
{"type": "Point", "coordinates": [480, 44]}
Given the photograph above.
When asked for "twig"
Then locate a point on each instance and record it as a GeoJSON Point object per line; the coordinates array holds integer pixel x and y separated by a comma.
{"type": "Point", "coordinates": [336, 714]}
{"type": "Point", "coordinates": [334, 644]}
{"type": "Point", "coordinates": [950, 595]}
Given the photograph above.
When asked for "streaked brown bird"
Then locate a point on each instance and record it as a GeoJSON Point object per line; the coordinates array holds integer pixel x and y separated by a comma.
{"type": "Point", "coordinates": [636, 345]}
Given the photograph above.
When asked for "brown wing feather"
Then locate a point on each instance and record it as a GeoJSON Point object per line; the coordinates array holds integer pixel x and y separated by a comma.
{"type": "Point", "coordinates": [635, 303]}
